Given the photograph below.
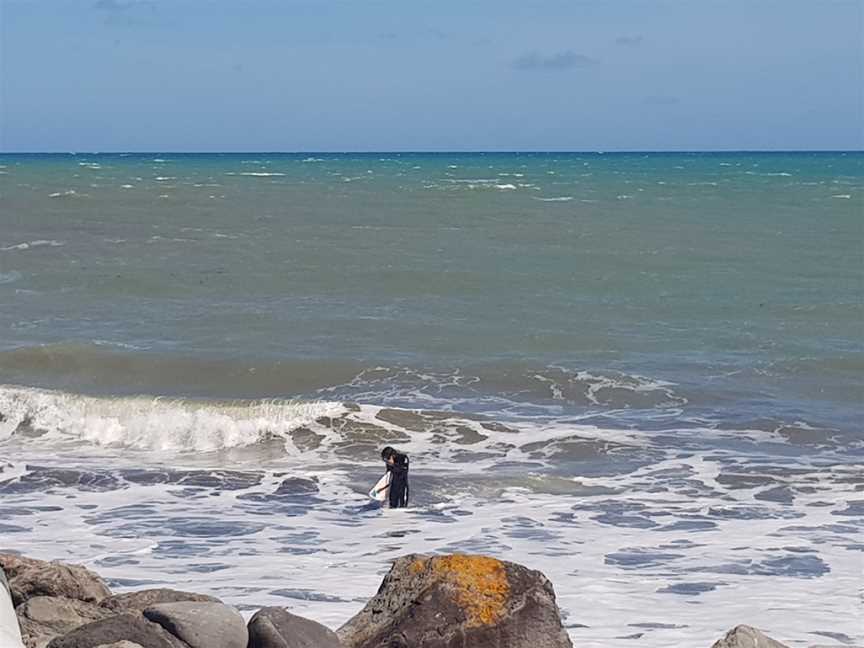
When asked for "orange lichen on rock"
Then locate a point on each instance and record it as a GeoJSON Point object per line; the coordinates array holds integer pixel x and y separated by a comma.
{"type": "Point", "coordinates": [418, 565]}
{"type": "Point", "coordinates": [481, 584]}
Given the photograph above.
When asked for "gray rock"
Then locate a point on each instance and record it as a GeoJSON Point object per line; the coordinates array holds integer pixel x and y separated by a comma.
{"type": "Point", "coordinates": [146, 598]}
{"type": "Point", "coordinates": [129, 626]}
{"type": "Point", "coordinates": [201, 624]}
{"type": "Point", "coordinates": [44, 617]}
{"type": "Point", "coordinates": [744, 636]}
{"type": "Point", "coordinates": [458, 600]}
{"type": "Point", "coordinates": [120, 644]}
{"type": "Point", "coordinates": [29, 578]}
{"type": "Point", "coordinates": [275, 627]}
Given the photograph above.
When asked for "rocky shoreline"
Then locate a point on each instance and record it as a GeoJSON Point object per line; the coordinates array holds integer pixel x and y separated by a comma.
{"type": "Point", "coordinates": [440, 601]}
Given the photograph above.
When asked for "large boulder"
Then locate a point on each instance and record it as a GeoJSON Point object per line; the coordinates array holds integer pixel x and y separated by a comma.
{"type": "Point", "coordinates": [744, 636]}
{"type": "Point", "coordinates": [453, 601]}
{"type": "Point", "coordinates": [44, 617]}
{"type": "Point", "coordinates": [143, 599]}
{"type": "Point", "coordinates": [10, 634]}
{"type": "Point", "coordinates": [275, 627]}
{"type": "Point", "coordinates": [29, 577]}
{"type": "Point", "coordinates": [201, 624]}
{"type": "Point", "coordinates": [128, 626]}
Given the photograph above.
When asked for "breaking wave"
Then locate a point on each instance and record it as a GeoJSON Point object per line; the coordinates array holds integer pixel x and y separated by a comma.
{"type": "Point", "coordinates": [149, 423]}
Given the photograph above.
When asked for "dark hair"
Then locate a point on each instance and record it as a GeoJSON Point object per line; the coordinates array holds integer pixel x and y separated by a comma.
{"type": "Point", "coordinates": [399, 489]}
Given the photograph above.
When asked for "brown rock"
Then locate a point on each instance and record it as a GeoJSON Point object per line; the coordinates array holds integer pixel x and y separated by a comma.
{"type": "Point", "coordinates": [44, 617]}
{"type": "Point", "coordinates": [744, 636]}
{"type": "Point", "coordinates": [29, 578]}
{"type": "Point", "coordinates": [454, 601]}
{"type": "Point", "coordinates": [142, 599]}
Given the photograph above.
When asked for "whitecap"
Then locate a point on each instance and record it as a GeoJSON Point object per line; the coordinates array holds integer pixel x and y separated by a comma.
{"type": "Point", "coordinates": [127, 186]}
{"type": "Point", "coordinates": [260, 174]}
{"type": "Point", "coordinates": [845, 196]}
{"type": "Point", "coordinates": [34, 244]}
{"type": "Point", "coordinates": [554, 199]}
{"type": "Point", "coordinates": [64, 194]}
{"type": "Point", "coordinates": [505, 186]}
{"type": "Point", "coordinates": [148, 423]}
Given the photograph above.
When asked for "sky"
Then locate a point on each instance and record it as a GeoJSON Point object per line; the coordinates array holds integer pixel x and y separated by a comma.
{"type": "Point", "coordinates": [443, 75]}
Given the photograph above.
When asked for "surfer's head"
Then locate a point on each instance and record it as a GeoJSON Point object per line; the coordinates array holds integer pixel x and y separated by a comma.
{"type": "Point", "coordinates": [388, 454]}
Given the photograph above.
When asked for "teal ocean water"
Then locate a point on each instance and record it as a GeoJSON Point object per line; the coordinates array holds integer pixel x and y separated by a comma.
{"type": "Point", "coordinates": [737, 277]}
{"type": "Point", "coordinates": [627, 350]}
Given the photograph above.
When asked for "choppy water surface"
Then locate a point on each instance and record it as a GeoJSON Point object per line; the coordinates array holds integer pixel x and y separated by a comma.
{"type": "Point", "coordinates": [640, 374]}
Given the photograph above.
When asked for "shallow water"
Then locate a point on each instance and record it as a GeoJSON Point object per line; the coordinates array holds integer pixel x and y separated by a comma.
{"type": "Point", "coordinates": [640, 374]}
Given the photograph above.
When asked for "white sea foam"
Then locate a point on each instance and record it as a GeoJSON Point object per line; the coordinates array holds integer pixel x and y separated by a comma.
{"type": "Point", "coordinates": [260, 174]}
{"type": "Point", "coordinates": [127, 186]}
{"type": "Point", "coordinates": [148, 423]}
{"type": "Point", "coordinates": [843, 196]}
{"type": "Point", "coordinates": [505, 186]}
{"type": "Point", "coordinates": [69, 193]}
{"type": "Point", "coordinates": [554, 199]}
{"type": "Point", "coordinates": [621, 538]}
{"type": "Point", "coordinates": [34, 244]}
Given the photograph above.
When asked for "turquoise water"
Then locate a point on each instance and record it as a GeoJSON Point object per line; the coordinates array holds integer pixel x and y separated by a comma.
{"type": "Point", "coordinates": [638, 373]}
{"type": "Point", "coordinates": [738, 277]}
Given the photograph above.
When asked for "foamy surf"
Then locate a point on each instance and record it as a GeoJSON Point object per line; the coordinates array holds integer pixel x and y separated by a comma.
{"type": "Point", "coordinates": [648, 524]}
{"type": "Point", "coordinates": [148, 423]}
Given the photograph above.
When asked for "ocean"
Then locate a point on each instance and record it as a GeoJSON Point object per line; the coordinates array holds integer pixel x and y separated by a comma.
{"type": "Point", "coordinates": [638, 373]}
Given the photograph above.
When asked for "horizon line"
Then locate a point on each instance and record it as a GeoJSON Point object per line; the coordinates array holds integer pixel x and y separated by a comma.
{"type": "Point", "coordinates": [427, 151]}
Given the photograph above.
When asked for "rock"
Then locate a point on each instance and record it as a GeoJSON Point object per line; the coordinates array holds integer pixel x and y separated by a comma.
{"type": "Point", "coordinates": [120, 644]}
{"type": "Point", "coordinates": [44, 617]}
{"type": "Point", "coordinates": [453, 601]}
{"type": "Point", "coordinates": [744, 636]}
{"type": "Point", "coordinates": [146, 598]}
{"type": "Point", "coordinates": [275, 627]}
{"type": "Point", "coordinates": [29, 578]}
{"type": "Point", "coordinates": [10, 633]}
{"type": "Point", "coordinates": [201, 624]}
{"type": "Point", "coordinates": [128, 626]}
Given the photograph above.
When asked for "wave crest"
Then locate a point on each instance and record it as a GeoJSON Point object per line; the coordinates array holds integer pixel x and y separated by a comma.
{"type": "Point", "coordinates": [149, 423]}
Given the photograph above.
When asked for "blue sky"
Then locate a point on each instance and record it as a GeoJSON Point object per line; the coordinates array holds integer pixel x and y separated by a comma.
{"type": "Point", "coordinates": [291, 75]}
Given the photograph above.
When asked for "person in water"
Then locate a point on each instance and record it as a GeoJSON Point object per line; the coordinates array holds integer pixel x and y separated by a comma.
{"type": "Point", "coordinates": [397, 486]}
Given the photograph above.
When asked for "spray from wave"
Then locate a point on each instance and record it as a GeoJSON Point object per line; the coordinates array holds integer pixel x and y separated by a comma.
{"type": "Point", "coordinates": [149, 423]}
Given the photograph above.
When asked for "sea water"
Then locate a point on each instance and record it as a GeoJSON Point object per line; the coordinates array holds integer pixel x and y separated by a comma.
{"type": "Point", "coordinates": [637, 373]}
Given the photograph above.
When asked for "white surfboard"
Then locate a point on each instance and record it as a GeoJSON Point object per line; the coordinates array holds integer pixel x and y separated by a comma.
{"type": "Point", "coordinates": [380, 491]}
